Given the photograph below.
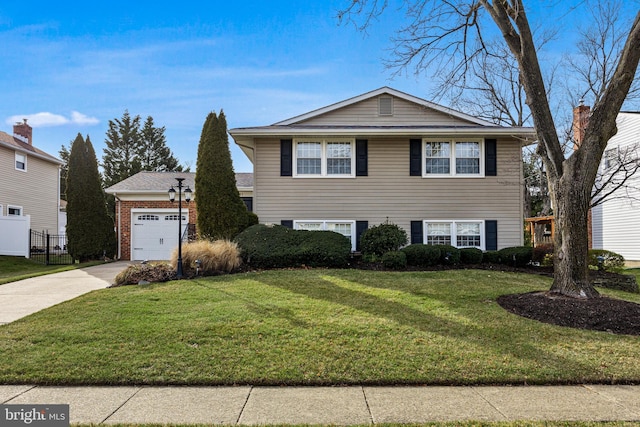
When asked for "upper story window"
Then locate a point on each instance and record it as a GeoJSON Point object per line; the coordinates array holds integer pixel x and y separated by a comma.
{"type": "Point", "coordinates": [453, 157]}
{"type": "Point", "coordinates": [324, 158]}
{"type": "Point", "coordinates": [21, 162]}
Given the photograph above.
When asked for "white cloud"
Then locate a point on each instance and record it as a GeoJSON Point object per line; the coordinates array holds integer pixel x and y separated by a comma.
{"type": "Point", "coordinates": [81, 119]}
{"type": "Point", "coordinates": [46, 119]}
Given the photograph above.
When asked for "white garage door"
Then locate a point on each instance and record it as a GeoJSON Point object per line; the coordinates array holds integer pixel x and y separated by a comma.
{"type": "Point", "coordinates": [154, 235]}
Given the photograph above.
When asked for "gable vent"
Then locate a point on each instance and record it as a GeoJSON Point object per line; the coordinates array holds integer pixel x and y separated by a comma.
{"type": "Point", "coordinates": [385, 106]}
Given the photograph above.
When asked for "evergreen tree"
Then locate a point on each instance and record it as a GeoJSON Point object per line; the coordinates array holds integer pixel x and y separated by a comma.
{"type": "Point", "coordinates": [64, 156]}
{"type": "Point", "coordinates": [221, 212]}
{"type": "Point", "coordinates": [121, 154]}
{"type": "Point", "coordinates": [89, 228]}
{"type": "Point", "coordinates": [153, 153]}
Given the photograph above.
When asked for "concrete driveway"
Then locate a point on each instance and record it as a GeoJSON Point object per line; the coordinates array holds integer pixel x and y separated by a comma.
{"type": "Point", "coordinates": [24, 297]}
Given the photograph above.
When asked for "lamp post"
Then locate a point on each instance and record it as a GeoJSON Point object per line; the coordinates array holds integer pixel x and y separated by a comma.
{"type": "Point", "coordinates": [172, 197]}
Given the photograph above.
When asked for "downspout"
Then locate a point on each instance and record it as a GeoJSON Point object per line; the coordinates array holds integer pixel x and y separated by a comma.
{"type": "Point", "coordinates": [119, 204]}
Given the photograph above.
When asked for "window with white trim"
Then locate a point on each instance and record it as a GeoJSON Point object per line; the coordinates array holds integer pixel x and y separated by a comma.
{"type": "Point", "coordinates": [21, 162]}
{"type": "Point", "coordinates": [346, 228]}
{"type": "Point", "coordinates": [453, 157]}
{"type": "Point", "coordinates": [461, 234]}
{"type": "Point", "coordinates": [324, 158]}
{"type": "Point", "coordinates": [14, 210]}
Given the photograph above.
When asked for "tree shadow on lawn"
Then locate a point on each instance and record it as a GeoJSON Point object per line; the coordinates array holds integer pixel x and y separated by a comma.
{"type": "Point", "coordinates": [496, 337]}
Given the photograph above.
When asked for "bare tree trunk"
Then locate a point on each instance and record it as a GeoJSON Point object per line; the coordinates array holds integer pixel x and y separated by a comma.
{"type": "Point", "coordinates": [571, 269]}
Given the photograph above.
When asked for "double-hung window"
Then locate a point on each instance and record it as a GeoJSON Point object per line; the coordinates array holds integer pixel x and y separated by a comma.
{"type": "Point", "coordinates": [461, 234]}
{"type": "Point", "coordinates": [453, 157]}
{"type": "Point", "coordinates": [21, 162]}
{"type": "Point", "coordinates": [324, 158]}
{"type": "Point", "coordinates": [346, 228]}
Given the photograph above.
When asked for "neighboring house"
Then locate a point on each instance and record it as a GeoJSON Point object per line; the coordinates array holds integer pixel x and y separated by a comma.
{"type": "Point", "coordinates": [30, 180]}
{"type": "Point", "coordinates": [614, 222]}
{"type": "Point", "coordinates": [147, 222]}
{"type": "Point", "coordinates": [444, 176]}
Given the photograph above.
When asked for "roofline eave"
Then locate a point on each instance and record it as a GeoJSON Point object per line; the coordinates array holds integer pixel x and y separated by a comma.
{"type": "Point", "coordinates": [244, 136]}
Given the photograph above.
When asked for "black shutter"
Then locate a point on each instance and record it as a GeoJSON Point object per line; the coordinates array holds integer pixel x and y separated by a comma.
{"type": "Point", "coordinates": [490, 158]}
{"type": "Point", "coordinates": [362, 168]}
{"type": "Point", "coordinates": [415, 157]}
{"type": "Point", "coordinates": [491, 235]}
{"type": "Point", "coordinates": [361, 227]}
{"type": "Point", "coordinates": [287, 223]}
{"type": "Point", "coordinates": [286, 157]}
{"type": "Point", "coordinates": [416, 232]}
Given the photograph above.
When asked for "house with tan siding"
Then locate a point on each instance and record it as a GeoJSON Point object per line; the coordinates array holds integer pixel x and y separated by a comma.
{"type": "Point", "coordinates": [30, 180]}
{"type": "Point", "coordinates": [444, 176]}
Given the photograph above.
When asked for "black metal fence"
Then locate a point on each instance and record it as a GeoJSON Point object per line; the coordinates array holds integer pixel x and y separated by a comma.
{"type": "Point", "coordinates": [49, 249]}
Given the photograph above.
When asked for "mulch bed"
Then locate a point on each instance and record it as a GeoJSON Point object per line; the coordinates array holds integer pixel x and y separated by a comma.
{"type": "Point", "coordinates": [598, 314]}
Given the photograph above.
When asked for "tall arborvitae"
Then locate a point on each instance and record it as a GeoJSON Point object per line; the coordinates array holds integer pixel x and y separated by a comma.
{"type": "Point", "coordinates": [221, 212]}
{"type": "Point", "coordinates": [90, 231]}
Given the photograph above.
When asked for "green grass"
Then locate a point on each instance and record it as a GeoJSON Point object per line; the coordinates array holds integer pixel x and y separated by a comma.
{"type": "Point", "coordinates": [314, 327]}
{"type": "Point", "coordinates": [13, 268]}
{"type": "Point", "coordinates": [633, 272]}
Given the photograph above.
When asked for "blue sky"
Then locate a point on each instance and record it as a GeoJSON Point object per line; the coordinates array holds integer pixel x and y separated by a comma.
{"type": "Point", "coordinates": [73, 68]}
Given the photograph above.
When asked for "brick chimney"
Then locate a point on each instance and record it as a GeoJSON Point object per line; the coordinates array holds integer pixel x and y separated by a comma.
{"type": "Point", "coordinates": [23, 132]}
{"type": "Point", "coordinates": [581, 115]}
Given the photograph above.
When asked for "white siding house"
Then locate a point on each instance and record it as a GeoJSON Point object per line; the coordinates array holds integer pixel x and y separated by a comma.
{"type": "Point", "coordinates": [615, 221]}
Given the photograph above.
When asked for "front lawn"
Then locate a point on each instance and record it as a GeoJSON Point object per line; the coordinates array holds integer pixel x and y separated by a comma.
{"type": "Point", "coordinates": [13, 268]}
{"type": "Point", "coordinates": [311, 327]}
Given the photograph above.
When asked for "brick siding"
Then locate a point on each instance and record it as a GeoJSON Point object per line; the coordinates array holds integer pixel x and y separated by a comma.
{"type": "Point", "coordinates": [123, 209]}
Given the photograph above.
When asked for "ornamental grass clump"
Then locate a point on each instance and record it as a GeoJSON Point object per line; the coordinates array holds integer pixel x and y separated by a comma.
{"type": "Point", "coordinates": [145, 273]}
{"type": "Point", "coordinates": [214, 257]}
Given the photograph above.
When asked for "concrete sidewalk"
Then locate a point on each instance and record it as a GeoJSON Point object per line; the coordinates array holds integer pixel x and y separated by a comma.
{"type": "Point", "coordinates": [24, 297]}
{"type": "Point", "coordinates": [333, 405]}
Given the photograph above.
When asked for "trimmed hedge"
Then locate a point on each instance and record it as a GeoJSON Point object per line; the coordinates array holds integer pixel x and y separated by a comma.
{"type": "Point", "coordinates": [420, 255]}
{"type": "Point", "coordinates": [491, 257]}
{"type": "Point", "coordinates": [279, 247]}
{"type": "Point", "coordinates": [449, 255]}
{"type": "Point", "coordinates": [516, 256]}
{"type": "Point", "coordinates": [394, 260]}
{"type": "Point", "coordinates": [382, 238]}
{"type": "Point", "coordinates": [611, 261]}
{"type": "Point", "coordinates": [470, 256]}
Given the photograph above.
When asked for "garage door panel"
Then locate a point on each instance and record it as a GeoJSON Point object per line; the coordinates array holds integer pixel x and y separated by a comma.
{"type": "Point", "coordinates": [154, 235]}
